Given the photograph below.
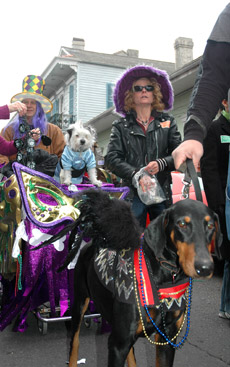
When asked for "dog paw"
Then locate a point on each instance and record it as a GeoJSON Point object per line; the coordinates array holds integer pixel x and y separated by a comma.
{"type": "Point", "coordinates": [97, 183]}
{"type": "Point", "coordinates": [67, 182]}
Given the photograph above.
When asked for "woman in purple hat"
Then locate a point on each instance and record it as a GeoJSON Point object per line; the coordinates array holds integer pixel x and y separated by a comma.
{"type": "Point", "coordinates": [144, 137]}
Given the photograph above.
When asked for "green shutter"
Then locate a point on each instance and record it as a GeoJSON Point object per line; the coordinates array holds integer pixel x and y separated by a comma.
{"type": "Point", "coordinates": [109, 95]}
{"type": "Point", "coordinates": [55, 107]}
{"type": "Point", "coordinates": [71, 99]}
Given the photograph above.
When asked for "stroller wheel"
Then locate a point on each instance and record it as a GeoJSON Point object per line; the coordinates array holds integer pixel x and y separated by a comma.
{"type": "Point", "coordinates": [42, 327]}
{"type": "Point", "coordinates": [87, 322]}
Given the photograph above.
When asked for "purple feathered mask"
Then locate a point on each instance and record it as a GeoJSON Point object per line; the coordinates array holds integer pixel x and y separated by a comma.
{"type": "Point", "coordinates": [137, 72]}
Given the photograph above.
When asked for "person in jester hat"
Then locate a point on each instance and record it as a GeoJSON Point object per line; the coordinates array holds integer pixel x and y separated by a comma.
{"type": "Point", "coordinates": [143, 139]}
{"type": "Point", "coordinates": [49, 137]}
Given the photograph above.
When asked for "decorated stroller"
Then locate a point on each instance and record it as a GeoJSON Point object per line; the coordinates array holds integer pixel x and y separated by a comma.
{"type": "Point", "coordinates": [33, 208]}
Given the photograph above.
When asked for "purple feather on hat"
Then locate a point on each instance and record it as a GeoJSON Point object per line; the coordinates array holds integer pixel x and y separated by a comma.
{"type": "Point", "coordinates": [142, 71]}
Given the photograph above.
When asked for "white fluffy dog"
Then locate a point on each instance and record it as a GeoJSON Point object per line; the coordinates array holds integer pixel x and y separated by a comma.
{"type": "Point", "coordinates": [77, 156]}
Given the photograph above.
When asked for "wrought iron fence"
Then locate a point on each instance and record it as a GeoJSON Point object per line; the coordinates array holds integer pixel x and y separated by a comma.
{"type": "Point", "coordinates": [62, 120]}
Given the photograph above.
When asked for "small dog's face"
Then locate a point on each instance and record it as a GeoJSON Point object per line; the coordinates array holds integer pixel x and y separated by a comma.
{"type": "Point", "coordinates": [80, 138]}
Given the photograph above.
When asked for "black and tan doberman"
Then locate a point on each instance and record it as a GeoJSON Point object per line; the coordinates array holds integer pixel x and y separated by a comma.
{"type": "Point", "coordinates": [176, 246]}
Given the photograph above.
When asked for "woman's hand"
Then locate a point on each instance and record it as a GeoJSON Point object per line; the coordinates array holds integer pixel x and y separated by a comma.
{"type": "Point", "coordinates": [152, 168]}
{"type": "Point", "coordinates": [18, 107]}
{"type": "Point", "coordinates": [146, 183]}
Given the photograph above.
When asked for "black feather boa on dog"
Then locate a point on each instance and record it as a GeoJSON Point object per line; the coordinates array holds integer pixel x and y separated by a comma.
{"type": "Point", "coordinates": [109, 222]}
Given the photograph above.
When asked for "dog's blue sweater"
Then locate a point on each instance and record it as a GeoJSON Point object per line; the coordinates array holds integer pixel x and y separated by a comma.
{"type": "Point", "coordinates": [75, 160]}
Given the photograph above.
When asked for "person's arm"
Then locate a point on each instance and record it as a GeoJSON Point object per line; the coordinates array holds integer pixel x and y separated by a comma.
{"type": "Point", "coordinates": [210, 170]}
{"type": "Point", "coordinates": [174, 140]}
{"type": "Point", "coordinates": [19, 107]}
{"type": "Point", "coordinates": [166, 163]}
{"type": "Point", "coordinates": [115, 159]}
{"type": "Point", "coordinates": [7, 147]}
{"type": "Point", "coordinates": [211, 87]}
{"type": "Point", "coordinates": [4, 112]}
{"type": "Point", "coordinates": [12, 107]}
{"type": "Point", "coordinates": [8, 136]}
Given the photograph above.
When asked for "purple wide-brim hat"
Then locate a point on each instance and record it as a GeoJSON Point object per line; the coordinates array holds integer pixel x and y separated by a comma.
{"type": "Point", "coordinates": [142, 71]}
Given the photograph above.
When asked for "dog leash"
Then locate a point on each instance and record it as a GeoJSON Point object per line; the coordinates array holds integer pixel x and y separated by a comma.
{"type": "Point", "coordinates": [190, 174]}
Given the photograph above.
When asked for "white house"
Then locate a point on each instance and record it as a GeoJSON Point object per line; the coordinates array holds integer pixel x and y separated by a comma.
{"type": "Point", "coordinates": [80, 83]}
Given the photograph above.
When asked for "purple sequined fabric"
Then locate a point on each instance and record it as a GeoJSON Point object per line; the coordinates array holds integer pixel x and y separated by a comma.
{"type": "Point", "coordinates": [40, 280]}
{"type": "Point", "coordinates": [40, 283]}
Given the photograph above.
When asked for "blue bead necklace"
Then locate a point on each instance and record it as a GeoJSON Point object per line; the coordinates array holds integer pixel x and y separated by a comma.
{"type": "Point", "coordinates": [189, 297]}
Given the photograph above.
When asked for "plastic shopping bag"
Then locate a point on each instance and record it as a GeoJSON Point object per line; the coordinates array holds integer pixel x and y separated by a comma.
{"type": "Point", "coordinates": [153, 193]}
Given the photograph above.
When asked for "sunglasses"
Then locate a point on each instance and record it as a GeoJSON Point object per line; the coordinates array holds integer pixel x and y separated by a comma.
{"type": "Point", "coordinates": [139, 88]}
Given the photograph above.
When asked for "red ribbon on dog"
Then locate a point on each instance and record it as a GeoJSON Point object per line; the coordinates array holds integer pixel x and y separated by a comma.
{"type": "Point", "coordinates": [151, 295]}
{"type": "Point", "coordinates": [147, 287]}
{"type": "Point", "coordinates": [174, 291]}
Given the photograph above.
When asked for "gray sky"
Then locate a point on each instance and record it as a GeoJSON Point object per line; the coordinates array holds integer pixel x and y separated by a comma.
{"type": "Point", "coordinates": [33, 32]}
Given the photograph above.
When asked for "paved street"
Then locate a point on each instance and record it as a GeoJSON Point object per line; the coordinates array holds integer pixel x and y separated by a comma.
{"type": "Point", "coordinates": [208, 344]}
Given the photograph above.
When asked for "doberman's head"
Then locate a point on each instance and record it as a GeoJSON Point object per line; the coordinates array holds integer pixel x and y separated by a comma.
{"type": "Point", "coordinates": [188, 227]}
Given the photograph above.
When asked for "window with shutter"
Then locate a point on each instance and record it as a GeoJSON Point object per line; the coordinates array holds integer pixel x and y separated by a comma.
{"type": "Point", "coordinates": [71, 99]}
{"type": "Point", "coordinates": [109, 95]}
{"type": "Point", "coordinates": [55, 107]}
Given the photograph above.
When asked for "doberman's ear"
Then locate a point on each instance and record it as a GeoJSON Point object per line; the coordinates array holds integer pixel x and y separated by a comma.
{"type": "Point", "coordinates": [218, 236]}
{"type": "Point", "coordinates": [155, 235]}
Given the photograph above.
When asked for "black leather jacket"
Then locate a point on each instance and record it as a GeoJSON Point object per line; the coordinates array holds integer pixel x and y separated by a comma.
{"type": "Point", "coordinates": [130, 149]}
